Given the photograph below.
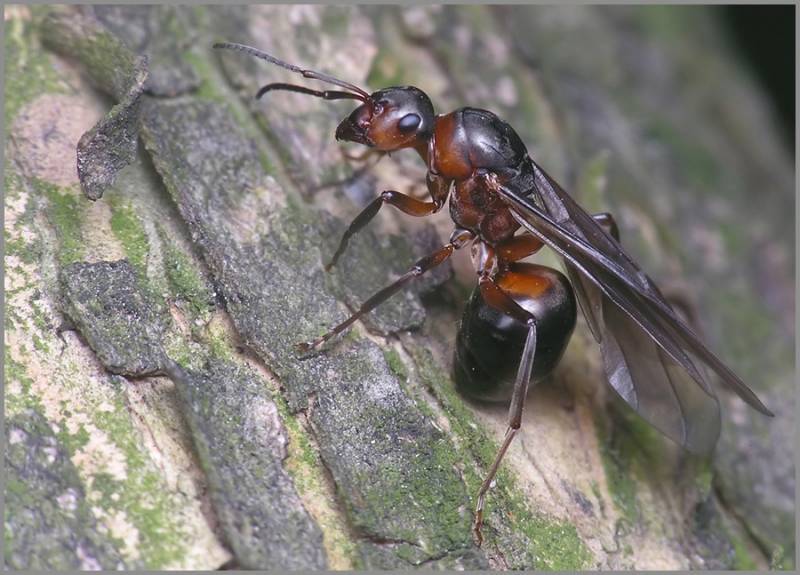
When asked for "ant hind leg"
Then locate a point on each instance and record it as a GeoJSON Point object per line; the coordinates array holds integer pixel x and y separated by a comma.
{"type": "Point", "coordinates": [495, 296]}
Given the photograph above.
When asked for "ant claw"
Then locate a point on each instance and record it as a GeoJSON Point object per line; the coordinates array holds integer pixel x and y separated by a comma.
{"type": "Point", "coordinates": [476, 531]}
{"type": "Point", "coordinates": [476, 528]}
{"type": "Point", "coordinates": [303, 347]}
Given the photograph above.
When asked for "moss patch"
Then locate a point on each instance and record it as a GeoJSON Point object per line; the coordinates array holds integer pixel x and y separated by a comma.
{"type": "Point", "coordinates": [27, 251]}
{"type": "Point", "coordinates": [431, 489]}
{"type": "Point", "coordinates": [620, 483]}
{"type": "Point", "coordinates": [141, 496]}
{"type": "Point", "coordinates": [28, 71]}
{"type": "Point", "coordinates": [128, 229]}
{"type": "Point", "coordinates": [554, 545]}
{"type": "Point", "coordinates": [302, 457]}
{"type": "Point", "coordinates": [305, 467]}
{"type": "Point", "coordinates": [106, 59]}
{"type": "Point", "coordinates": [185, 280]}
{"type": "Point", "coordinates": [18, 399]}
{"type": "Point", "coordinates": [742, 561]}
{"type": "Point", "coordinates": [395, 363]}
{"type": "Point", "coordinates": [634, 452]}
{"type": "Point", "coordinates": [26, 247]}
{"type": "Point", "coordinates": [695, 160]}
{"type": "Point", "coordinates": [66, 211]}
{"type": "Point", "coordinates": [631, 450]}
{"type": "Point", "coordinates": [208, 86]}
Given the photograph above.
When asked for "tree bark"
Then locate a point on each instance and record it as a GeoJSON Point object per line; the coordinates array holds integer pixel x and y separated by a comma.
{"type": "Point", "coordinates": [157, 415]}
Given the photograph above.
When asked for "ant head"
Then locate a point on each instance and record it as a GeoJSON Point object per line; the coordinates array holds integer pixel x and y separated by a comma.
{"type": "Point", "coordinates": [390, 119]}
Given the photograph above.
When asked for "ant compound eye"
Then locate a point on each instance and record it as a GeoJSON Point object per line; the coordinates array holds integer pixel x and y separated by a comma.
{"type": "Point", "coordinates": [409, 123]}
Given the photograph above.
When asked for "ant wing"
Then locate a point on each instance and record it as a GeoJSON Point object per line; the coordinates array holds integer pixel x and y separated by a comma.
{"type": "Point", "coordinates": [653, 384]}
{"type": "Point", "coordinates": [595, 255]}
{"type": "Point", "coordinates": [647, 378]}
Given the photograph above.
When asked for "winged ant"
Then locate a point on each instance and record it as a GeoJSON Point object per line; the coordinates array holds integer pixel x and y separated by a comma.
{"type": "Point", "coordinates": [495, 189]}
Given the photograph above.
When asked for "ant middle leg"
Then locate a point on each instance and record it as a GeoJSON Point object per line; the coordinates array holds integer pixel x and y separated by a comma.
{"type": "Point", "coordinates": [458, 239]}
{"type": "Point", "coordinates": [402, 202]}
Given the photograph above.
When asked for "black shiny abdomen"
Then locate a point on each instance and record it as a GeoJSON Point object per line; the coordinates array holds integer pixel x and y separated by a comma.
{"type": "Point", "coordinates": [489, 343]}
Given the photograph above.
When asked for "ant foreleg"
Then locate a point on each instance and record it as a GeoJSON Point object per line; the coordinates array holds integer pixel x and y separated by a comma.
{"type": "Point", "coordinates": [457, 240]}
{"type": "Point", "coordinates": [402, 202]}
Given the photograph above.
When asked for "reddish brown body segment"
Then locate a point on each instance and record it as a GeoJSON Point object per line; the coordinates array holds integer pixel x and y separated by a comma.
{"type": "Point", "coordinates": [449, 156]}
{"type": "Point", "coordinates": [452, 154]}
{"type": "Point", "coordinates": [475, 207]}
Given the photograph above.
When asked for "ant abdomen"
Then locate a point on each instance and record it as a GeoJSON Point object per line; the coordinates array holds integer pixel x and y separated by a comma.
{"type": "Point", "coordinates": [490, 343]}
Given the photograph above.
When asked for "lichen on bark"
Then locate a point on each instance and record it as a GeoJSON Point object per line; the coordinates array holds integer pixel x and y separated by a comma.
{"type": "Point", "coordinates": [363, 455]}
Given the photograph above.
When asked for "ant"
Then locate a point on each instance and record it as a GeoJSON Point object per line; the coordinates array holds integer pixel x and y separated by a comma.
{"type": "Point", "coordinates": [495, 190]}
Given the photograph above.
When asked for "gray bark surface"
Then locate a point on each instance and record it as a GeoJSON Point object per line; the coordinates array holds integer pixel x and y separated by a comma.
{"type": "Point", "coordinates": [157, 415]}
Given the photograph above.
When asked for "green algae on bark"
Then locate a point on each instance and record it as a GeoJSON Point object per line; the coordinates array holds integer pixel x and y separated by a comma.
{"type": "Point", "coordinates": [314, 486]}
{"type": "Point", "coordinates": [28, 70]}
{"type": "Point", "coordinates": [371, 436]}
{"type": "Point", "coordinates": [57, 379]}
{"type": "Point", "coordinates": [242, 444]}
{"type": "Point", "coordinates": [110, 65]}
{"type": "Point", "coordinates": [121, 325]}
{"type": "Point", "coordinates": [139, 493]}
{"type": "Point", "coordinates": [127, 227]}
{"type": "Point", "coordinates": [185, 280]}
{"type": "Point", "coordinates": [228, 412]}
{"type": "Point", "coordinates": [525, 540]}
{"type": "Point", "coordinates": [565, 99]}
{"type": "Point", "coordinates": [160, 32]}
{"type": "Point", "coordinates": [48, 522]}
{"type": "Point", "coordinates": [65, 213]}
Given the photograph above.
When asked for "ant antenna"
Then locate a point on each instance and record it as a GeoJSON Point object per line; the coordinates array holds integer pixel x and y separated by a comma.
{"type": "Point", "coordinates": [326, 94]}
{"type": "Point", "coordinates": [357, 93]}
